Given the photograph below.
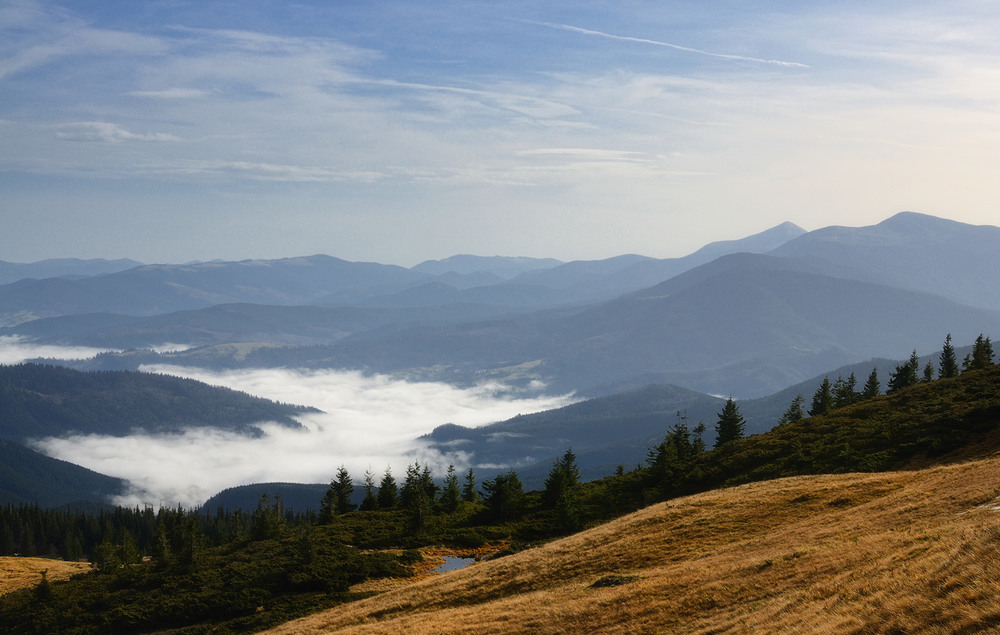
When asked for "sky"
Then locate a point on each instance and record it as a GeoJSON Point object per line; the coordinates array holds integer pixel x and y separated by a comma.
{"type": "Point", "coordinates": [171, 131]}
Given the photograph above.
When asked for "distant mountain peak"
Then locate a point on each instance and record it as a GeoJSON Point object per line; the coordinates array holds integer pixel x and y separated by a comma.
{"type": "Point", "coordinates": [756, 243]}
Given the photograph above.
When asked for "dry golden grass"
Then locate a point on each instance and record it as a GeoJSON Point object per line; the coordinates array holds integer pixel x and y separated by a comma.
{"type": "Point", "coordinates": [903, 552]}
{"type": "Point", "coordinates": [19, 573]}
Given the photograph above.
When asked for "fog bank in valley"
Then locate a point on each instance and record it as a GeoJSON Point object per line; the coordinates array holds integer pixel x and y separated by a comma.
{"type": "Point", "coordinates": [368, 422]}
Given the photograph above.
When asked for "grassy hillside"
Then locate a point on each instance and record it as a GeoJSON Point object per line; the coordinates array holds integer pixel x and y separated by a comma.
{"type": "Point", "coordinates": [876, 553]}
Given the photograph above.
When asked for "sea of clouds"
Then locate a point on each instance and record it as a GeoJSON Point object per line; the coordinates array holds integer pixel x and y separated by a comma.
{"type": "Point", "coordinates": [367, 422]}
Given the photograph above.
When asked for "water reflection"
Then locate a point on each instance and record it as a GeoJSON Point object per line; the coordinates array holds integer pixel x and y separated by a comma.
{"type": "Point", "coordinates": [451, 563]}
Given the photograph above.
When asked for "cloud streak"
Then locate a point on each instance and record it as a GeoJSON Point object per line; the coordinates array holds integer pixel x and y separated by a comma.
{"type": "Point", "coordinates": [368, 422]}
{"type": "Point", "coordinates": [676, 47]}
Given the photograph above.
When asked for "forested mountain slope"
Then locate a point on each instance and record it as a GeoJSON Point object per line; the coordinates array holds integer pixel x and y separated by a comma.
{"type": "Point", "coordinates": [40, 400]}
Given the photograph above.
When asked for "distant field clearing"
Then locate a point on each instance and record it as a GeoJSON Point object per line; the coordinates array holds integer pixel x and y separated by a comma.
{"type": "Point", "coordinates": [19, 573]}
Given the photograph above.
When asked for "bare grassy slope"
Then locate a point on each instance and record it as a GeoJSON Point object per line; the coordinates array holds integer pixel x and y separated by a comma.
{"type": "Point", "coordinates": [19, 573]}
{"type": "Point", "coordinates": [915, 552]}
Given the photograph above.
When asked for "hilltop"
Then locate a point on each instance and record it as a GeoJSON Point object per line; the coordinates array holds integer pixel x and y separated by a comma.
{"type": "Point", "coordinates": [893, 552]}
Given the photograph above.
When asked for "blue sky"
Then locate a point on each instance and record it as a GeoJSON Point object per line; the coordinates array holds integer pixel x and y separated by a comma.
{"type": "Point", "coordinates": [397, 132]}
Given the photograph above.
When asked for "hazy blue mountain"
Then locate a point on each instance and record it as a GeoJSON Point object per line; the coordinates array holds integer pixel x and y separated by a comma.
{"type": "Point", "coordinates": [912, 251]}
{"type": "Point", "coordinates": [62, 268]}
{"type": "Point", "coordinates": [29, 477]}
{"type": "Point", "coordinates": [42, 401]}
{"type": "Point", "coordinates": [744, 324]}
{"type": "Point", "coordinates": [506, 283]}
{"type": "Point", "coordinates": [244, 323]}
{"type": "Point", "coordinates": [503, 267]}
{"type": "Point", "coordinates": [153, 289]}
{"type": "Point", "coordinates": [605, 279]}
{"type": "Point", "coordinates": [619, 428]}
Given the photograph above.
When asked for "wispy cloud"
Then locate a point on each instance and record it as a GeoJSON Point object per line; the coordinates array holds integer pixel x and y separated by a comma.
{"type": "Point", "coordinates": [171, 93]}
{"type": "Point", "coordinates": [104, 132]}
{"type": "Point", "coordinates": [677, 47]}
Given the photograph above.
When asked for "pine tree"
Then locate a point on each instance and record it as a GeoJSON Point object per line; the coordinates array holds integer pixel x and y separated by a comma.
{"type": "Point", "coordinates": [699, 442]}
{"type": "Point", "coordinates": [795, 411]}
{"type": "Point", "coordinates": [906, 375]}
{"type": "Point", "coordinates": [370, 503]}
{"type": "Point", "coordinates": [451, 494]}
{"type": "Point", "coordinates": [504, 496]}
{"type": "Point", "coordinates": [822, 400]}
{"type": "Point", "coordinates": [338, 497]}
{"type": "Point", "coordinates": [563, 477]}
{"type": "Point", "coordinates": [730, 425]}
{"type": "Point", "coordinates": [844, 391]}
{"type": "Point", "coordinates": [469, 494]}
{"type": "Point", "coordinates": [873, 388]}
{"type": "Point", "coordinates": [414, 496]}
{"type": "Point", "coordinates": [948, 366]}
{"type": "Point", "coordinates": [929, 372]}
{"type": "Point", "coordinates": [982, 354]}
{"type": "Point", "coordinates": [388, 493]}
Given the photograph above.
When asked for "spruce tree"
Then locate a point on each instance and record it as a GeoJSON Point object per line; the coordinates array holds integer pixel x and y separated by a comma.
{"type": "Point", "coordinates": [451, 494]}
{"type": "Point", "coordinates": [873, 388]}
{"type": "Point", "coordinates": [906, 375]}
{"type": "Point", "coordinates": [982, 354]}
{"type": "Point", "coordinates": [795, 411]}
{"type": "Point", "coordinates": [414, 496]}
{"type": "Point", "coordinates": [948, 366]}
{"type": "Point", "coordinates": [562, 478]}
{"type": "Point", "coordinates": [370, 503]}
{"type": "Point", "coordinates": [822, 400]}
{"type": "Point", "coordinates": [342, 488]}
{"type": "Point", "coordinates": [844, 393]}
{"type": "Point", "coordinates": [730, 425]}
{"type": "Point", "coordinates": [387, 490]}
{"type": "Point", "coordinates": [469, 494]}
{"type": "Point", "coordinates": [504, 496]}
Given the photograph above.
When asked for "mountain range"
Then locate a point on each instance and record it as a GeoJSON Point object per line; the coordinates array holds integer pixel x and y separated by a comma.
{"type": "Point", "coordinates": [643, 338]}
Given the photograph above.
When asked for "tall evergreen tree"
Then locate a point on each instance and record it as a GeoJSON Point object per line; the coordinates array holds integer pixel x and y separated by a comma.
{"type": "Point", "coordinates": [822, 400]}
{"type": "Point", "coordinates": [504, 496]}
{"type": "Point", "coordinates": [928, 372]}
{"type": "Point", "coordinates": [907, 374]}
{"type": "Point", "coordinates": [982, 354]}
{"type": "Point", "coordinates": [414, 496]}
{"type": "Point", "coordinates": [451, 494]}
{"type": "Point", "coordinates": [370, 502]}
{"type": "Point", "coordinates": [948, 365]}
{"type": "Point", "coordinates": [731, 424]}
{"type": "Point", "coordinates": [795, 411]}
{"type": "Point", "coordinates": [844, 391]}
{"type": "Point", "coordinates": [699, 442]}
{"type": "Point", "coordinates": [338, 497]}
{"type": "Point", "coordinates": [562, 478]}
{"type": "Point", "coordinates": [387, 490]}
{"type": "Point", "coordinates": [469, 494]}
{"type": "Point", "coordinates": [873, 388]}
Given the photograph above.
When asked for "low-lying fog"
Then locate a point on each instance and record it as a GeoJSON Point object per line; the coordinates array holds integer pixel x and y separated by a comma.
{"type": "Point", "coordinates": [367, 423]}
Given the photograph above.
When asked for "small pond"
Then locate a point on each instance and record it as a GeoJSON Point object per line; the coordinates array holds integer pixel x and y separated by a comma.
{"type": "Point", "coordinates": [452, 563]}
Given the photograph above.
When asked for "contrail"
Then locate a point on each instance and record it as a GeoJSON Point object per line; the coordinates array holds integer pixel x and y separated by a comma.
{"type": "Point", "coordinates": [678, 47]}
